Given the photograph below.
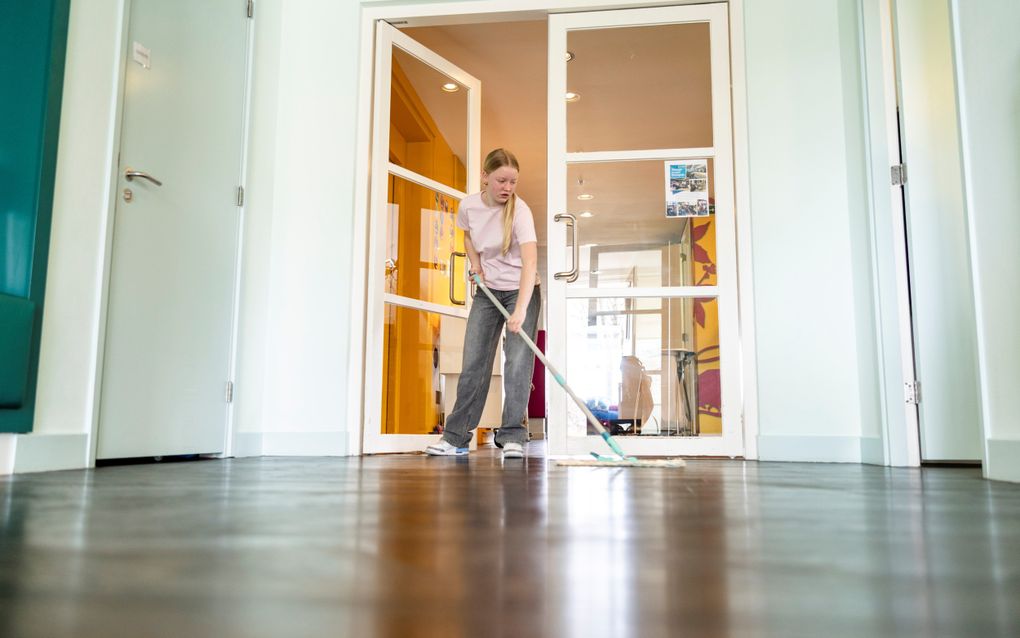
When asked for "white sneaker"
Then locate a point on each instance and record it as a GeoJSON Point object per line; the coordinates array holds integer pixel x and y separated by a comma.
{"type": "Point", "coordinates": [443, 448]}
{"type": "Point", "coordinates": [513, 451]}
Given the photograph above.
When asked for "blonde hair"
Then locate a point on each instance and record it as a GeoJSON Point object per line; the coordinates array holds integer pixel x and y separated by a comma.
{"type": "Point", "coordinates": [494, 161]}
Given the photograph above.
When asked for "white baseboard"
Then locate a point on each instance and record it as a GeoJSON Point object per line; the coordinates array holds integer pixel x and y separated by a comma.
{"type": "Point", "coordinates": [247, 444]}
{"type": "Point", "coordinates": [1003, 462]}
{"type": "Point", "coordinates": [872, 450]}
{"type": "Point", "coordinates": [8, 444]}
{"type": "Point", "coordinates": [810, 449]}
{"type": "Point", "coordinates": [48, 452]}
{"type": "Point", "coordinates": [304, 444]}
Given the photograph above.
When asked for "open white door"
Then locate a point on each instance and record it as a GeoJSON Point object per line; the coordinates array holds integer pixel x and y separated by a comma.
{"type": "Point", "coordinates": [941, 289]}
{"type": "Point", "coordinates": [641, 224]}
{"type": "Point", "coordinates": [425, 159]}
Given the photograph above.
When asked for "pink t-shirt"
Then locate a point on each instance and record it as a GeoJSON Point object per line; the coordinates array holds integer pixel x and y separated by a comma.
{"type": "Point", "coordinates": [485, 223]}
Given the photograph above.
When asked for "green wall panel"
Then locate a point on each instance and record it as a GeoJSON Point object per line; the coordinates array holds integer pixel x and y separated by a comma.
{"type": "Point", "coordinates": [33, 41]}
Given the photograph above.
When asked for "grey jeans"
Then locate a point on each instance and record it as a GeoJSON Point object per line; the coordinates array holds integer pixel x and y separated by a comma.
{"type": "Point", "coordinates": [480, 340]}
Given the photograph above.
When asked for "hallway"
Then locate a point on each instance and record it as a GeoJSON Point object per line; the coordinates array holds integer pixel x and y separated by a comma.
{"type": "Point", "coordinates": [417, 546]}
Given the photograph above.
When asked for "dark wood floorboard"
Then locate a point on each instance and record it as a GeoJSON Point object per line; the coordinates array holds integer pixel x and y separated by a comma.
{"type": "Point", "coordinates": [417, 546]}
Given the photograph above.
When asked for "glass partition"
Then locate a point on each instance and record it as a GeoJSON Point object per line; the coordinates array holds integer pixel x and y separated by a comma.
{"type": "Point", "coordinates": [645, 366]}
{"type": "Point", "coordinates": [422, 358]}
{"type": "Point", "coordinates": [635, 88]}
{"type": "Point", "coordinates": [428, 121]}
{"type": "Point", "coordinates": [424, 247]}
{"type": "Point", "coordinates": [637, 227]}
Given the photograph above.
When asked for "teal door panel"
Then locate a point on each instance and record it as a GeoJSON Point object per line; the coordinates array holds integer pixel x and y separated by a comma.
{"type": "Point", "coordinates": [16, 318]}
{"type": "Point", "coordinates": [33, 40]}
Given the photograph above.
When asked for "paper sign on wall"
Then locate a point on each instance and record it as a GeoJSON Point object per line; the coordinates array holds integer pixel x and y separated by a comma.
{"type": "Point", "coordinates": [141, 55]}
{"type": "Point", "coordinates": [687, 188]}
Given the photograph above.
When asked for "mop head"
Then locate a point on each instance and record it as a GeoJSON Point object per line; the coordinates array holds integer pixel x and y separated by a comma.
{"type": "Point", "coordinates": [616, 461]}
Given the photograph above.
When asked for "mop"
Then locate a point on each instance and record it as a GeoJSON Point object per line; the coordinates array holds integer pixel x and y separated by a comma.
{"type": "Point", "coordinates": [618, 458]}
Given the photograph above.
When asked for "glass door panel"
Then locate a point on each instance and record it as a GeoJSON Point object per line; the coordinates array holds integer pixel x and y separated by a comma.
{"type": "Point", "coordinates": [644, 366]}
{"type": "Point", "coordinates": [654, 83]}
{"type": "Point", "coordinates": [425, 157]}
{"type": "Point", "coordinates": [642, 303]}
{"type": "Point", "coordinates": [428, 121]}
{"type": "Point", "coordinates": [425, 257]}
{"type": "Point", "coordinates": [638, 228]}
{"type": "Point", "coordinates": [423, 357]}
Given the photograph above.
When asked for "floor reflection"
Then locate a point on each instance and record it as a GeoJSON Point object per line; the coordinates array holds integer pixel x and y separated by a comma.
{"type": "Point", "coordinates": [418, 546]}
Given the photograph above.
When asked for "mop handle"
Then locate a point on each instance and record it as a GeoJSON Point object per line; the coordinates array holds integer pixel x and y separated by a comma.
{"type": "Point", "coordinates": [552, 369]}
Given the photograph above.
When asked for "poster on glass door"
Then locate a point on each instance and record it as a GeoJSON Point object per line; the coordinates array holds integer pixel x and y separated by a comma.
{"type": "Point", "coordinates": [687, 188]}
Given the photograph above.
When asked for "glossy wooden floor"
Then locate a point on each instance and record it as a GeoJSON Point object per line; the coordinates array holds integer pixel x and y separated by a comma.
{"type": "Point", "coordinates": [417, 546]}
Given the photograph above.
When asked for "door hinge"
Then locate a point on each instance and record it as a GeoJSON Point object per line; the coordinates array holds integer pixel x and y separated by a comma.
{"type": "Point", "coordinates": [912, 389]}
{"type": "Point", "coordinates": [240, 195]}
{"type": "Point", "coordinates": [898, 173]}
{"type": "Point", "coordinates": [251, 8]}
{"type": "Point", "coordinates": [229, 393]}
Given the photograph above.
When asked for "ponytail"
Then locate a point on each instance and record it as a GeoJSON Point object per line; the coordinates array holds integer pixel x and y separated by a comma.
{"type": "Point", "coordinates": [508, 221]}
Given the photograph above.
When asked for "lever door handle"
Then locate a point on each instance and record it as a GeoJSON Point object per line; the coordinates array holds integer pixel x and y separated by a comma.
{"type": "Point", "coordinates": [130, 174]}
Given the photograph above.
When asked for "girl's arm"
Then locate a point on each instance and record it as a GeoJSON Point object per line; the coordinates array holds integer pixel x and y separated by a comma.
{"type": "Point", "coordinates": [529, 268]}
{"type": "Point", "coordinates": [476, 261]}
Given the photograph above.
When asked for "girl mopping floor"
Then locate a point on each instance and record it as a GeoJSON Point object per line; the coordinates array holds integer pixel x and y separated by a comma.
{"type": "Point", "coordinates": [500, 240]}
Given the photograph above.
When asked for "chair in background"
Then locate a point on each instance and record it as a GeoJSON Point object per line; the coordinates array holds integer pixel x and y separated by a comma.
{"type": "Point", "coordinates": [635, 394]}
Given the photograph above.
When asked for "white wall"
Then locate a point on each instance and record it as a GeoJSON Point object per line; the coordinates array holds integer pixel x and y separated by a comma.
{"type": "Point", "coordinates": [860, 223]}
{"type": "Point", "coordinates": [310, 313]}
{"type": "Point", "coordinates": [295, 313]}
{"type": "Point", "coordinates": [813, 292]}
{"type": "Point", "coordinates": [987, 65]}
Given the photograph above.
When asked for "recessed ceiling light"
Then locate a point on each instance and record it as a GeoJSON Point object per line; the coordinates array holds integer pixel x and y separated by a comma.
{"type": "Point", "coordinates": [570, 56]}
{"type": "Point", "coordinates": [451, 87]}
{"type": "Point", "coordinates": [587, 213]}
{"type": "Point", "coordinates": [572, 97]}
{"type": "Point", "coordinates": [596, 272]}
{"type": "Point", "coordinates": [585, 197]}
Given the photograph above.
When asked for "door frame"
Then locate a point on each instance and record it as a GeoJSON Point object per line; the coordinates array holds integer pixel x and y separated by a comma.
{"type": "Point", "coordinates": [902, 433]}
{"type": "Point", "coordinates": [902, 445]}
{"type": "Point", "coordinates": [474, 11]}
{"type": "Point", "coordinates": [113, 177]}
{"type": "Point", "coordinates": [893, 45]}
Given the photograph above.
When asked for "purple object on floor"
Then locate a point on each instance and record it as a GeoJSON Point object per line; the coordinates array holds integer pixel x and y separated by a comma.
{"type": "Point", "coordinates": [536, 402]}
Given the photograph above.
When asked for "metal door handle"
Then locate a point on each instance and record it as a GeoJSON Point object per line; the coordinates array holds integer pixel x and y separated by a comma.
{"type": "Point", "coordinates": [449, 270]}
{"type": "Point", "coordinates": [570, 275]}
{"type": "Point", "coordinates": [130, 174]}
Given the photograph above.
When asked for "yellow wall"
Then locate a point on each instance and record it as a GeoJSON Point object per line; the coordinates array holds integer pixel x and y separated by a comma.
{"type": "Point", "coordinates": [706, 327]}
